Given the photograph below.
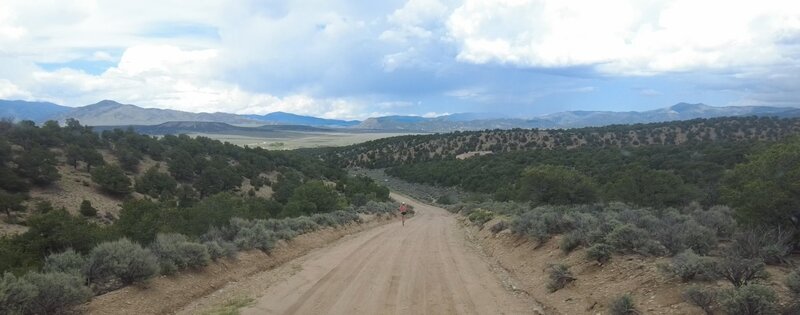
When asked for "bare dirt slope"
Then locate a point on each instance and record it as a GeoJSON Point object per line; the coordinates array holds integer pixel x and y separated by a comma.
{"type": "Point", "coordinates": [424, 267]}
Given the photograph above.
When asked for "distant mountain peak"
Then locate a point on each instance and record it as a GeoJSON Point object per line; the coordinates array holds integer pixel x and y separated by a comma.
{"type": "Point", "coordinates": [683, 107]}
{"type": "Point", "coordinates": [108, 103]}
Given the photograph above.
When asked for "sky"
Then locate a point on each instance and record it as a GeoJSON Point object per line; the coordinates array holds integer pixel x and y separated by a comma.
{"type": "Point", "coordinates": [359, 59]}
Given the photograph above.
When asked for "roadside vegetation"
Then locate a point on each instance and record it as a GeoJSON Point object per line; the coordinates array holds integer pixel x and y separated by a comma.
{"type": "Point", "coordinates": [721, 212]}
{"type": "Point", "coordinates": [184, 213]}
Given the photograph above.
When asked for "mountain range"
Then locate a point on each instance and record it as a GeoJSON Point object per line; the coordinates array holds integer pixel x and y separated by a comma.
{"type": "Point", "coordinates": [294, 119]}
{"type": "Point", "coordinates": [36, 111]}
{"type": "Point", "coordinates": [111, 113]}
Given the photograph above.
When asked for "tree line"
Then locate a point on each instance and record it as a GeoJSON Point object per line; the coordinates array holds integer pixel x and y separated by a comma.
{"type": "Point", "coordinates": [197, 187]}
{"type": "Point", "coordinates": [412, 149]}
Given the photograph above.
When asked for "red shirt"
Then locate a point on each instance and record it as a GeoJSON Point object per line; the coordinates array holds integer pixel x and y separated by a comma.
{"type": "Point", "coordinates": [403, 208]}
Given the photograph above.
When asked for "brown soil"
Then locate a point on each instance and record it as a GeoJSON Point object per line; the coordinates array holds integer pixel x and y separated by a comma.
{"type": "Point", "coordinates": [73, 187]}
{"type": "Point", "coordinates": [597, 285]}
{"type": "Point", "coordinates": [168, 294]}
{"type": "Point", "coordinates": [11, 229]}
{"type": "Point", "coordinates": [424, 267]}
{"type": "Point", "coordinates": [263, 192]}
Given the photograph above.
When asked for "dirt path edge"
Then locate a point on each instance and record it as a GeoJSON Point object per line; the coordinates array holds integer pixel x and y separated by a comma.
{"type": "Point", "coordinates": [168, 294]}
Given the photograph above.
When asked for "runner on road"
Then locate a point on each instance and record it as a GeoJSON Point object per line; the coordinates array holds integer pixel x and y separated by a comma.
{"type": "Point", "coordinates": [403, 209]}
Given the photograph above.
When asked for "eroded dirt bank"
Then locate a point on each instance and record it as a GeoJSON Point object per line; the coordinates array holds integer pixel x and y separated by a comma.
{"type": "Point", "coordinates": [596, 286]}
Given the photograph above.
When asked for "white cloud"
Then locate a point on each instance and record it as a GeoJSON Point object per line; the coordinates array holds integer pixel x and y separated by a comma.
{"type": "Point", "coordinates": [627, 37]}
{"type": "Point", "coordinates": [414, 20]}
{"type": "Point", "coordinates": [334, 59]}
{"type": "Point", "coordinates": [9, 31]}
{"type": "Point", "coordinates": [178, 72]}
{"type": "Point", "coordinates": [169, 77]}
{"type": "Point", "coordinates": [9, 90]}
{"type": "Point", "coordinates": [434, 114]}
{"type": "Point", "coordinates": [101, 56]}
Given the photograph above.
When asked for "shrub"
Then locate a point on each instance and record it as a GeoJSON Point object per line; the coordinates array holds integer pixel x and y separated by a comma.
{"type": "Point", "coordinates": [378, 207]}
{"type": "Point", "coordinates": [751, 299]}
{"type": "Point", "coordinates": [445, 200]}
{"type": "Point", "coordinates": [285, 234]}
{"type": "Point", "coordinates": [689, 266]}
{"type": "Point", "coordinates": [740, 271]}
{"type": "Point", "coordinates": [572, 240]}
{"type": "Point", "coordinates": [219, 248]}
{"type": "Point", "coordinates": [598, 233]}
{"type": "Point", "coordinates": [560, 276]}
{"type": "Point", "coordinates": [701, 297]}
{"type": "Point", "coordinates": [15, 294]}
{"type": "Point", "coordinates": [155, 183]}
{"type": "Point", "coordinates": [499, 227]}
{"type": "Point", "coordinates": [623, 306]}
{"type": "Point", "coordinates": [68, 261]}
{"type": "Point", "coordinates": [770, 245]}
{"type": "Point", "coordinates": [651, 248]}
{"type": "Point", "coordinates": [599, 252]}
{"type": "Point", "coordinates": [302, 225]}
{"type": "Point", "coordinates": [253, 234]}
{"type": "Point", "coordinates": [112, 179]}
{"type": "Point", "coordinates": [44, 206]}
{"type": "Point", "coordinates": [323, 219]}
{"type": "Point", "coordinates": [671, 236]}
{"type": "Point", "coordinates": [120, 261]}
{"type": "Point", "coordinates": [539, 224]}
{"type": "Point", "coordinates": [699, 238]}
{"type": "Point", "coordinates": [717, 218]}
{"type": "Point", "coordinates": [627, 237]}
{"type": "Point", "coordinates": [347, 217]}
{"type": "Point", "coordinates": [86, 209]}
{"type": "Point", "coordinates": [776, 253]}
{"type": "Point", "coordinates": [175, 252]}
{"type": "Point", "coordinates": [56, 292]}
{"type": "Point", "coordinates": [479, 217]}
{"type": "Point", "coordinates": [531, 228]}
{"type": "Point", "coordinates": [552, 184]}
{"type": "Point", "coordinates": [793, 282]}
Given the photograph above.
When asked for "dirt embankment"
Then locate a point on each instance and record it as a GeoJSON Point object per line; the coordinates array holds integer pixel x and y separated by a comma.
{"type": "Point", "coordinates": [596, 285]}
{"type": "Point", "coordinates": [168, 294]}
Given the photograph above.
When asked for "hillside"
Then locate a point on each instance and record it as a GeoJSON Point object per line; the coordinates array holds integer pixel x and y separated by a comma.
{"type": "Point", "coordinates": [450, 123]}
{"type": "Point", "coordinates": [281, 118]}
{"type": "Point", "coordinates": [96, 180]}
{"type": "Point", "coordinates": [207, 127]}
{"type": "Point", "coordinates": [411, 149]}
{"type": "Point", "coordinates": [36, 111]}
{"type": "Point", "coordinates": [108, 112]}
{"type": "Point", "coordinates": [680, 111]}
{"type": "Point", "coordinates": [111, 113]}
{"type": "Point", "coordinates": [571, 119]}
{"type": "Point", "coordinates": [697, 228]}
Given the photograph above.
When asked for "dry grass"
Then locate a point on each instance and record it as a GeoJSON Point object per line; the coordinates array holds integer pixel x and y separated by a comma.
{"type": "Point", "coordinates": [302, 139]}
{"type": "Point", "coordinates": [232, 306]}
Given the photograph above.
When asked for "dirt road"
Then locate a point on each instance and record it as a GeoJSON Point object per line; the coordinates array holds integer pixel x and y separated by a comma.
{"type": "Point", "coordinates": [424, 267]}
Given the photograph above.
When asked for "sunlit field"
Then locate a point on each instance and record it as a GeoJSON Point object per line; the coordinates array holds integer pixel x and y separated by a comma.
{"type": "Point", "coordinates": [301, 139]}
